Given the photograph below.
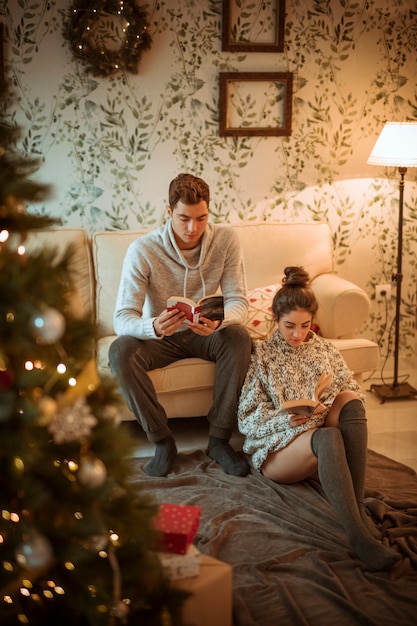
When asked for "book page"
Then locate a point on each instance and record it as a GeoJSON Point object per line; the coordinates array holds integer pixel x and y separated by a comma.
{"type": "Point", "coordinates": [212, 307]}
{"type": "Point", "coordinates": [305, 406]}
{"type": "Point", "coordinates": [323, 382]}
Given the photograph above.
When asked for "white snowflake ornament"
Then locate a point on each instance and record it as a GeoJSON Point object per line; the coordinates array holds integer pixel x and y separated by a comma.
{"type": "Point", "coordinates": [72, 423]}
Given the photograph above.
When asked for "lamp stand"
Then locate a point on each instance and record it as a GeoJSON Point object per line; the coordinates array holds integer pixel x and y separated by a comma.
{"type": "Point", "coordinates": [397, 391]}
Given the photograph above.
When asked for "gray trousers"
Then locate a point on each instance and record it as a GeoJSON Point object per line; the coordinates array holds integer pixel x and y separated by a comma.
{"type": "Point", "coordinates": [130, 359]}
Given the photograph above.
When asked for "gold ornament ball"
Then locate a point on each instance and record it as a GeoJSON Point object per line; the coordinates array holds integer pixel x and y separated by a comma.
{"type": "Point", "coordinates": [47, 408]}
{"type": "Point", "coordinates": [92, 472]}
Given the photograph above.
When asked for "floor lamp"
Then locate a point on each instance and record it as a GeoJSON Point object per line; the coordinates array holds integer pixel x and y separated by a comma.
{"type": "Point", "coordinates": [396, 146]}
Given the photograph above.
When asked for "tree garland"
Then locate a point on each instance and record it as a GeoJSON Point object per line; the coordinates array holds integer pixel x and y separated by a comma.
{"type": "Point", "coordinates": [107, 35]}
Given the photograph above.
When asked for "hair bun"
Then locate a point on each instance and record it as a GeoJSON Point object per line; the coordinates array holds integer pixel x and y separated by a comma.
{"type": "Point", "coordinates": [295, 277]}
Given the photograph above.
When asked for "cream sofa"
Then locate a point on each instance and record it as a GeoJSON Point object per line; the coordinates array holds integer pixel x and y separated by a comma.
{"type": "Point", "coordinates": [185, 388]}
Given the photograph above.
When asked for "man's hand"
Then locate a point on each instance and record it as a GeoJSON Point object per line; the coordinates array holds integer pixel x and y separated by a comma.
{"type": "Point", "coordinates": [204, 326]}
{"type": "Point", "coordinates": [168, 322]}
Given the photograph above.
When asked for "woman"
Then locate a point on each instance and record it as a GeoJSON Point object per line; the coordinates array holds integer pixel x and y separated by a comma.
{"type": "Point", "coordinates": [287, 447]}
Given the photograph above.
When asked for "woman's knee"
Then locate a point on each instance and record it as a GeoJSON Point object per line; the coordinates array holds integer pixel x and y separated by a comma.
{"type": "Point", "coordinates": [343, 398]}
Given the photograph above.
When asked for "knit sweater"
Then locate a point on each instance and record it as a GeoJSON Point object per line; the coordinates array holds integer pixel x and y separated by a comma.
{"type": "Point", "coordinates": [154, 269]}
{"type": "Point", "coordinates": [279, 372]}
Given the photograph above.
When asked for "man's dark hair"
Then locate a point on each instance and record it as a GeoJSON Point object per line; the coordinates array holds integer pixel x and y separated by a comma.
{"type": "Point", "coordinates": [188, 189]}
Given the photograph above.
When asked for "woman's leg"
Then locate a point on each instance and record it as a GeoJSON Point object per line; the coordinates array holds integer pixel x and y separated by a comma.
{"type": "Point", "coordinates": [348, 414]}
{"type": "Point", "coordinates": [296, 461]}
{"type": "Point", "coordinates": [335, 477]}
{"type": "Point", "coordinates": [293, 463]}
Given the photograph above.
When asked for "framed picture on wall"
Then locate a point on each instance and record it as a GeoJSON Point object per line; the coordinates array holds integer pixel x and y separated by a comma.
{"type": "Point", "coordinates": [253, 26]}
{"type": "Point", "coordinates": [255, 104]}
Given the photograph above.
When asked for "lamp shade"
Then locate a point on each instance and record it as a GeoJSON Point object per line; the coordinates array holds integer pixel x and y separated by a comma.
{"type": "Point", "coordinates": [396, 145]}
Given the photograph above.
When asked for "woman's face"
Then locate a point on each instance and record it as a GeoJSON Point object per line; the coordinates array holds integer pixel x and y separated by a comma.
{"type": "Point", "coordinates": [294, 326]}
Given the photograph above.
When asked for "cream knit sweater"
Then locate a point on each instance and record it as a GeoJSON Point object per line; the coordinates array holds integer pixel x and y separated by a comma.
{"type": "Point", "coordinates": [279, 372]}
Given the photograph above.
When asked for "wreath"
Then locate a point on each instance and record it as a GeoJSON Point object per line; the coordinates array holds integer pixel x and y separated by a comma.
{"type": "Point", "coordinates": [108, 35]}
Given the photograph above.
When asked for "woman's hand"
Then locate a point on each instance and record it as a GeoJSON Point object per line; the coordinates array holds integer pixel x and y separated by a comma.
{"type": "Point", "coordinates": [297, 420]}
{"type": "Point", "coordinates": [320, 408]}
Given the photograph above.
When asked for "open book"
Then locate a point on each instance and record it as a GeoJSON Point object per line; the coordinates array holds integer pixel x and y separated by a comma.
{"type": "Point", "coordinates": [211, 307]}
{"type": "Point", "coordinates": [306, 406]}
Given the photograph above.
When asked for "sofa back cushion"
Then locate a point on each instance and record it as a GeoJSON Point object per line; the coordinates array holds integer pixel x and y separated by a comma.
{"type": "Point", "coordinates": [109, 249]}
{"type": "Point", "coordinates": [267, 249]}
{"type": "Point", "coordinates": [81, 300]}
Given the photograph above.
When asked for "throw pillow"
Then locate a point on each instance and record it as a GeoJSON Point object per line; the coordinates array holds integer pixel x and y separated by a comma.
{"type": "Point", "coordinates": [260, 323]}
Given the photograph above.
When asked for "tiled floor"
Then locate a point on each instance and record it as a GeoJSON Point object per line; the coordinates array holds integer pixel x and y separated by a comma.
{"type": "Point", "coordinates": [392, 427]}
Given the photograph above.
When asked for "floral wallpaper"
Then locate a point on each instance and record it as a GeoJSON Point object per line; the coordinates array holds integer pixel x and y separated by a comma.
{"type": "Point", "coordinates": [110, 146]}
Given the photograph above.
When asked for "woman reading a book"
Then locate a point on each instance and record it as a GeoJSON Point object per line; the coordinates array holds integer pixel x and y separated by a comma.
{"type": "Point", "coordinates": [291, 444]}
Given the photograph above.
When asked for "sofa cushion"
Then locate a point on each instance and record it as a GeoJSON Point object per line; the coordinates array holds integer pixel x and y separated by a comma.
{"type": "Point", "coordinates": [81, 300]}
{"type": "Point", "coordinates": [361, 355]}
{"type": "Point", "coordinates": [109, 250]}
{"type": "Point", "coordinates": [183, 375]}
{"type": "Point", "coordinates": [184, 388]}
{"type": "Point", "coordinates": [268, 247]}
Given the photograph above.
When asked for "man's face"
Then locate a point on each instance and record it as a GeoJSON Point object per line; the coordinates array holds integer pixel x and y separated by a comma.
{"type": "Point", "coordinates": [188, 223]}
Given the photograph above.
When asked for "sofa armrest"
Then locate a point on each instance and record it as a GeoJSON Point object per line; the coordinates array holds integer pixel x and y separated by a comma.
{"type": "Point", "coordinates": [343, 306]}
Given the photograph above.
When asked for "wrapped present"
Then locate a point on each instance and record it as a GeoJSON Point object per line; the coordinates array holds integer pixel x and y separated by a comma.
{"type": "Point", "coordinates": [178, 524]}
{"type": "Point", "coordinates": [211, 594]}
{"type": "Point", "coordinates": [178, 566]}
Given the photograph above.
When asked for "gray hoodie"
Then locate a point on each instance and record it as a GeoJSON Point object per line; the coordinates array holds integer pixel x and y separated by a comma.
{"type": "Point", "coordinates": [154, 269]}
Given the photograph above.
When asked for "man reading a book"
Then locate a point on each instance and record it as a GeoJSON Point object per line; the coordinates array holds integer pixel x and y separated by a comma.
{"type": "Point", "coordinates": [190, 257]}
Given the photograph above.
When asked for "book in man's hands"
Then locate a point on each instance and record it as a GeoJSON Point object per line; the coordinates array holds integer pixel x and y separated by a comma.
{"type": "Point", "coordinates": [211, 307]}
{"type": "Point", "coordinates": [306, 406]}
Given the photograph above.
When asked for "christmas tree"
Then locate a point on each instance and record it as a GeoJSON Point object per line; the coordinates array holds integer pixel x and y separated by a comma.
{"type": "Point", "coordinates": [77, 539]}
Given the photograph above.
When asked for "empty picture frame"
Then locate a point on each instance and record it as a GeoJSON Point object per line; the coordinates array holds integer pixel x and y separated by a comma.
{"type": "Point", "coordinates": [253, 25]}
{"type": "Point", "coordinates": [255, 104]}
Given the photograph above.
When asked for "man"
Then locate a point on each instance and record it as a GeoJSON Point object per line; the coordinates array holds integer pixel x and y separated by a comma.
{"type": "Point", "coordinates": [190, 257]}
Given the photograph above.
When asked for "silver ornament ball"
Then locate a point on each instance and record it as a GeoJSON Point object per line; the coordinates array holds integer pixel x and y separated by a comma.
{"type": "Point", "coordinates": [48, 326]}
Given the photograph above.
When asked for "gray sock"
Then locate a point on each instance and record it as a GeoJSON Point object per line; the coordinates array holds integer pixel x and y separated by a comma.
{"type": "Point", "coordinates": [335, 477]}
{"type": "Point", "coordinates": [165, 453]}
{"type": "Point", "coordinates": [221, 451]}
{"type": "Point", "coordinates": [352, 425]}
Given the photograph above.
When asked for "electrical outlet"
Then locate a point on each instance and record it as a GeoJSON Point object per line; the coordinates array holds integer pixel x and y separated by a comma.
{"type": "Point", "coordinates": [382, 292]}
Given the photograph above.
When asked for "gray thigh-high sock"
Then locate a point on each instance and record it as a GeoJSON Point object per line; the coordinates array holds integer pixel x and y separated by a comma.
{"type": "Point", "coordinates": [335, 477]}
{"type": "Point", "coordinates": [352, 425]}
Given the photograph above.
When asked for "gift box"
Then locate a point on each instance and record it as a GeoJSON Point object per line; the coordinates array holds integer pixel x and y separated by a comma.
{"type": "Point", "coordinates": [178, 524]}
{"type": "Point", "coordinates": [178, 566]}
{"type": "Point", "coordinates": [210, 602]}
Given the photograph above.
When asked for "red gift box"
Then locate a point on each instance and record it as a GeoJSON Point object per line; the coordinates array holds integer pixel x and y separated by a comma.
{"type": "Point", "coordinates": [178, 524]}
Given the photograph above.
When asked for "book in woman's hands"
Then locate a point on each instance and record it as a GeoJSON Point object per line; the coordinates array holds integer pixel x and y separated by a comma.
{"type": "Point", "coordinates": [211, 307]}
{"type": "Point", "coordinates": [306, 406]}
